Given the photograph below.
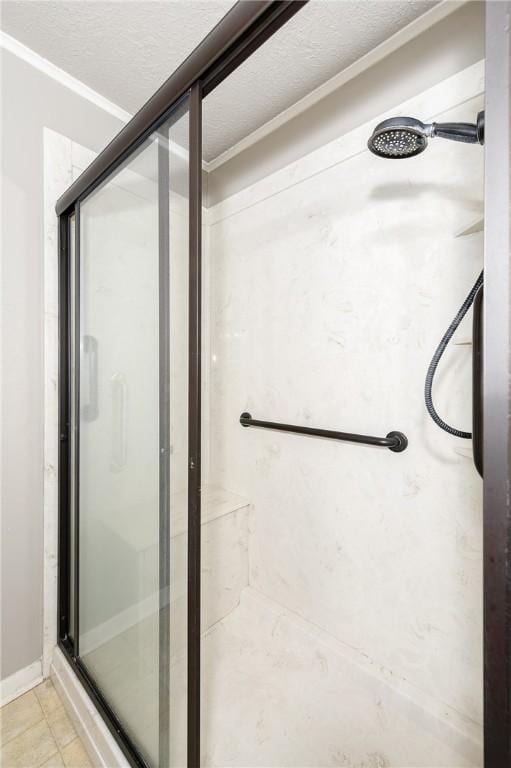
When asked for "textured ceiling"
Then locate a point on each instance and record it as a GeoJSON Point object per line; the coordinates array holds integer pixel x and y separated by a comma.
{"type": "Point", "coordinates": [324, 38]}
{"type": "Point", "coordinates": [125, 50]}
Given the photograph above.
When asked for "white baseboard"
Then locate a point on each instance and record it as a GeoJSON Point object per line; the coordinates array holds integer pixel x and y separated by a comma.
{"type": "Point", "coordinates": [20, 682]}
{"type": "Point", "coordinates": [97, 739]}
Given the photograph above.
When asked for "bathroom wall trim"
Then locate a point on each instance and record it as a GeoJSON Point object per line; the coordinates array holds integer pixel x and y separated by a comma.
{"type": "Point", "coordinates": [20, 682]}
{"type": "Point", "coordinates": [12, 45]}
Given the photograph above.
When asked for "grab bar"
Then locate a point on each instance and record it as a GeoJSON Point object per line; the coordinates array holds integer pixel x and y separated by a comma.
{"type": "Point", "coordinates": [395, 441]}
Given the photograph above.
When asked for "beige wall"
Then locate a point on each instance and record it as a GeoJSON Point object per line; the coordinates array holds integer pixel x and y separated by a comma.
{"type": "Point", "coordinates": [30, 101]}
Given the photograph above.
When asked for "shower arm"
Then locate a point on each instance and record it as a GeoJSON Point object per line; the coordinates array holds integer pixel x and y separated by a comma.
{"type": "Point", "coordinates": [394, 441]}
{"type": "Point", "coordinates": [468, 133]}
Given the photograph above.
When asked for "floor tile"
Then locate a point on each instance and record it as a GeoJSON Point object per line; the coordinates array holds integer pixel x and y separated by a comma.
{"type": "Point", "coordinates": [48, 697]}
{"type": "Point", "coordinates": [75, 756]}
{"type": "Point", "coordinates": [30, 749]}
{"type": "Point", "coordinates": [19, 715]}
{"type": "Point", "coordinates": [55, 761]}
{"type": "Point", "coordinates": [61, 727]}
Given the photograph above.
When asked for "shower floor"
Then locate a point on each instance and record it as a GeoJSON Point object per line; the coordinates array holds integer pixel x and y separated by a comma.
{"type": "Point", "coordinates": [279, 692]}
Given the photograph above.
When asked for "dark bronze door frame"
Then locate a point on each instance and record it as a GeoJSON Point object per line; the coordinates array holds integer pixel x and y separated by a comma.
{"type": "Point", "coordinates": [497, 390]}
{"type": "Point", "coordinates": [239, 34]}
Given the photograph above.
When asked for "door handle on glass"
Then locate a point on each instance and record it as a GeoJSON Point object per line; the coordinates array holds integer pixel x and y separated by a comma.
{"type": "Point", "coordinates": [89, 379]}
{"type": "Point", "coordinates": [119, 426]}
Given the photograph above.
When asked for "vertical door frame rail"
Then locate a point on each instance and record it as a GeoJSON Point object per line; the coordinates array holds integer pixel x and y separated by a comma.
{"type": "Point", "coordinates": [194, 428]}
{"type": "Point", "coordinates": [164, 442]}
{"type": "Point", "coordinates": [244, 28]}
{"type": "Point", "coordinates": [497, 390]}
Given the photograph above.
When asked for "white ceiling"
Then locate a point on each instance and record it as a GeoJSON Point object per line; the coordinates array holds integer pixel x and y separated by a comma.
{"type": "Point", "coordinates": [125, 50]}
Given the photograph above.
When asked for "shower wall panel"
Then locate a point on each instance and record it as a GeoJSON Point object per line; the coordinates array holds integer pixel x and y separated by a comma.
{"type": "Point", "coordinates": [331, 283]}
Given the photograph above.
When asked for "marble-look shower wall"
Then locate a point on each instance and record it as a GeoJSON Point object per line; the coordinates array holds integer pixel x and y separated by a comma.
{"type": "Point", "coordinates": [330, 285]}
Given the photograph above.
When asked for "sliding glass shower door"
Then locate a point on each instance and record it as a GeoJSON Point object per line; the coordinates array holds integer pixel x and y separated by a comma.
{"type": "Point", "coordinates": [131, 442]}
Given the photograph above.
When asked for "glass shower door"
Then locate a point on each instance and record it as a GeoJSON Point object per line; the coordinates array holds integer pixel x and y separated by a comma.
{"type": "Point", "coordinates": [132, 442]}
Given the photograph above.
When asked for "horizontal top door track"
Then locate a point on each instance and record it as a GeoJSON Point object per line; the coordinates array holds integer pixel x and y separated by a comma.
{"type": "Point", "coordinates": [241, 31]}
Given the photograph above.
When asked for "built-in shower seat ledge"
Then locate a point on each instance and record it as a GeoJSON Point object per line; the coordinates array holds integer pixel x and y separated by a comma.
{"type": "Point", "coordinates": [133, 526]}
{"type": "Point", "coordinates": [215, 502]}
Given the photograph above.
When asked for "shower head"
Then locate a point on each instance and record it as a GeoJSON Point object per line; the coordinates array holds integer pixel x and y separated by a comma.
{"type": "Point", "coordinates": [400, 137]}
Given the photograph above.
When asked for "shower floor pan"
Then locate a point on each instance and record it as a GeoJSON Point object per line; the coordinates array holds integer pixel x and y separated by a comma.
{"type": "Point", "coordinates": [277, 691]}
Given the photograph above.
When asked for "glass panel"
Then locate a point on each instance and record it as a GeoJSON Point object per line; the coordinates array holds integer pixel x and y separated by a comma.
{"type": "Point", "coordinates": [133, 442]}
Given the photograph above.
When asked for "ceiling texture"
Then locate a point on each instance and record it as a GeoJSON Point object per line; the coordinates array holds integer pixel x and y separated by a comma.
{"type": "Point", "coordinates": [125, 50]}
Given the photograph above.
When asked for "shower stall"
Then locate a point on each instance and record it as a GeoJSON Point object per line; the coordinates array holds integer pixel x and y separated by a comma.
{"type": "Point", "coordinates": [269, 555]}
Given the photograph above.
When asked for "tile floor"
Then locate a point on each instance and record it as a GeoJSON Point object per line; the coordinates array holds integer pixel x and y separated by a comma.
{"type": "Point", "coordinates": [36, 731]}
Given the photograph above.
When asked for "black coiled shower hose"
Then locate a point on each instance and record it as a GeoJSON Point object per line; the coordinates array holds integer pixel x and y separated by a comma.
{"type": "Point", "coordinates": [436, 359]}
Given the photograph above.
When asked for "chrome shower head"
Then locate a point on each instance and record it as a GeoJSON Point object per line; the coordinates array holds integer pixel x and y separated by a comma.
{"type": "Point", "coordinates": [400, 137]}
